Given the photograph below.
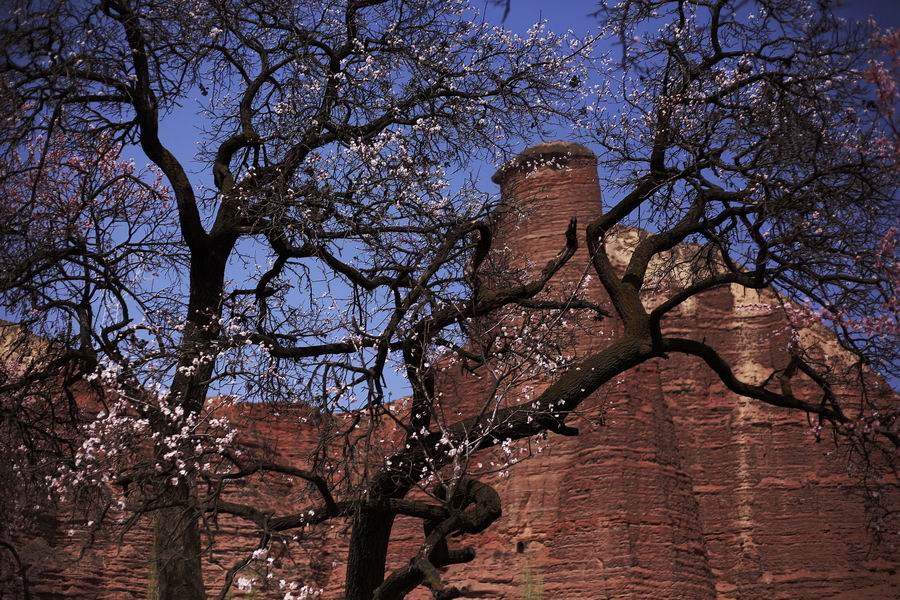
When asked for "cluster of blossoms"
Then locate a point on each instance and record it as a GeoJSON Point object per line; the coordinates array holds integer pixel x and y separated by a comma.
{"type": "Point", "coordinates": [119, 446]}
{"type": "Point", "coordinates": [292, 590]}
{"type": "Point", "coordinates": [884, 76]}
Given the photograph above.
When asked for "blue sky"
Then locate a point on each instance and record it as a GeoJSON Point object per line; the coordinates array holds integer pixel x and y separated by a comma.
{"type": "Point", "coordinates": [575, 14]}
{"type": "Point", "coordinates": [180, 129]}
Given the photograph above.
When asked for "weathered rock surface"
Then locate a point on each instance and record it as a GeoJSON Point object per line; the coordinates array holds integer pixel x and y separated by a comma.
{"type": "Point", "coordinates": [686, 491]}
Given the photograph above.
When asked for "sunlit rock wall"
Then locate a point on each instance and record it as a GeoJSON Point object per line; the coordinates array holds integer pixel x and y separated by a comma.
{"type": "Point", "coordinates": [676, 488]}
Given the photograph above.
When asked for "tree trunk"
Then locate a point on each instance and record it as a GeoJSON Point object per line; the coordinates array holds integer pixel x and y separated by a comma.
{"type": "Point", "coordinates": [176, 550]}
{"type": "Point", "coordinates": [176, 543]}
{"type": "Point", "coordinates": [368, 553]}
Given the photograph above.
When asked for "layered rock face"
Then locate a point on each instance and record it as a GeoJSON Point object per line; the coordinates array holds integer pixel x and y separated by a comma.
{"type": "Point", "coordinates": [688, 491]}
{"type": "Point", "coordinates": [682, 490]}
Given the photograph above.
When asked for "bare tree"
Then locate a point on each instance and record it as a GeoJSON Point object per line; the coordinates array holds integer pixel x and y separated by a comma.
{"type": "Point", "coordinates": [332, 249]}
{"type": "Point", "coordinates": [331, 131]}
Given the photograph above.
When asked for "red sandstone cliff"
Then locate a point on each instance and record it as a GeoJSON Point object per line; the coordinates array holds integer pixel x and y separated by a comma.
{"type": "Point", "coordinates": [687, 491]}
